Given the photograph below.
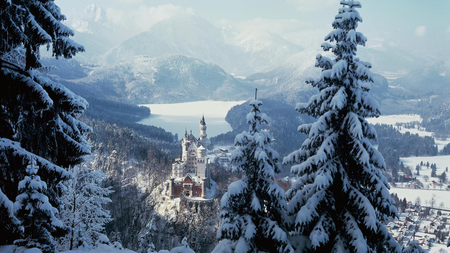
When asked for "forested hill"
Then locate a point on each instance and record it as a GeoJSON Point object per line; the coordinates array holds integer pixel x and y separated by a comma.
{"type": "Point", "coordinates": [134, 166]}
{"type": "Point", "coordinates": [283, 123]}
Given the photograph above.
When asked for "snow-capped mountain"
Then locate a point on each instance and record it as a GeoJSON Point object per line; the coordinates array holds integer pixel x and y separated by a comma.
{"type": "Point", "coordinates": [165, 79]}
{"type": "Point", "coordinates": [93, 32]}
{"type": "Point", "coordinates": [389, 59]}
{"type": "Point", "coordinates": [264, 51]}
{"type": "Point", "coordinates": [190, 35]}
{"type": "Point", "coordinates": [187, 35]}
{"type": "Point", "coordinates": [287, 82]}
{"type": "Point", "coordinates": [430, 80]}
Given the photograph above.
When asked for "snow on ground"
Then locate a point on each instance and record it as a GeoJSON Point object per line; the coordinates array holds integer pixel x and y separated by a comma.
{"type": "Point", "coordinates": [441, 162]}
{"type": "Point", "coordinates": [439, 248]}
{"type": "Point", "coordinates": [393, 120]}
{"type": "Point", "coordinates": [177, 118]}
{"type": "Point", "coordinates": [102, 248]}
{"type": "Point", "coordinates": [441, 194]}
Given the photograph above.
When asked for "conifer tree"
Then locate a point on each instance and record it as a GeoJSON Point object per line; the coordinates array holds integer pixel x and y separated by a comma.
{"type": "Point", "coordinates": [38, 118]}
{"type": "Point", "coordinates": [414, 247]}
{"type": "Point", "coordinates": [84, 205]}
{"type": "Point", "coordinates": [253, 209]}
{"type": "Point", "coordinates": [36, 214]}
{"type": "Point", "coordinates": [340, 200]}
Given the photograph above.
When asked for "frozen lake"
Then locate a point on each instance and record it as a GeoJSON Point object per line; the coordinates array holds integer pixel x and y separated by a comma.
{"type": "Point", "coordinates": [177, 118]}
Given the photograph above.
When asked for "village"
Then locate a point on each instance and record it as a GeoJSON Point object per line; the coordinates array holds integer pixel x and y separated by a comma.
{"type": "Point", "coordinates": [429, 225]}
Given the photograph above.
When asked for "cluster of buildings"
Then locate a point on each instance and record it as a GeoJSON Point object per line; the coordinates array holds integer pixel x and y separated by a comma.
{"type": "Point", "coordinates": [191, 175]}
{"type": "Point", "coordinates": [430, 227]}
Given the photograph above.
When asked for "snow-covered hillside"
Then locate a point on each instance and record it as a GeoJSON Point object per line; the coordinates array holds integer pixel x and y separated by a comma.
{"type": "Point", "coordinates": [194, 36]}
{"type": "Point", "coordinates": [389, 59]}
{"type": "Point", "coordinates": [287, 81]}
{"type": "Point", "coordinates": [165, 79]}
{"type": "Point", "coordinates": [409, 123]}
{"type": "Point", "coordinates": [427, 81]}
{"type": "Point", "coordinates": [93, 31]}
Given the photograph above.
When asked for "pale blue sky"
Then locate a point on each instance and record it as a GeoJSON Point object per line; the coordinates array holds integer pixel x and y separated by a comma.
{"type": "Point", "coordinates": [417, 25]}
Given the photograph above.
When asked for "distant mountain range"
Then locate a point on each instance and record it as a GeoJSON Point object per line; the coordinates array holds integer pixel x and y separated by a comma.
{"type": "Point", "coordinates": [185, 58]}
{"type": "Point", "coordinates": [93, 32]}
{"type": "Point", "coordinates": [165, 79]}
{"type": "Point", "coordinates": [189, 35]}
{"type": "Point", "coordinates": [240, 53]}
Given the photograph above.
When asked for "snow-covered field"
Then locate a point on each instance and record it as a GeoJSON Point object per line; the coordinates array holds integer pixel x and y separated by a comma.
{"type": "Point", "coordinates": [426, 194]}
{"type": "Point", "coordinates": [394, 119]}
{"type": "Point", "coordinates": [176, 118]}
{"type": "Point", "coordinates": [441, 196]}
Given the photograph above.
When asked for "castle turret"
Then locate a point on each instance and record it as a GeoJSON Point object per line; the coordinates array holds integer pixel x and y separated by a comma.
{"type": "Point", "coordinates": [201, 152]}
{"type": "Point", "coordinates": [204, 188]}
{"type": "Point", "coordinates": [203, 135]}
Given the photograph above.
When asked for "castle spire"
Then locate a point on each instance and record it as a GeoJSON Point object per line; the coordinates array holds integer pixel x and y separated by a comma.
{"type": "Point", "coordinates": [203, 134]}
{"type": "Point", "coordinates": [202, 122]}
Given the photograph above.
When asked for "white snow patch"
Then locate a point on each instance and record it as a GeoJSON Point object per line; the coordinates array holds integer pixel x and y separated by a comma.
{"type": "Point", "coordinates": [426, 194]}
{"type": "Point", "coordinates": [394, 119]}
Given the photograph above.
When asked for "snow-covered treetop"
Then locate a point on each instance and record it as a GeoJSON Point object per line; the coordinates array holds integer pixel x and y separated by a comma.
{"type": "Point", "coordinates": [255, 118]}
{"type": "Point", "coordinates": [342, 82]}
{"type": "Point", "coordinates": [258, 142]}
{"type": "Point", "coordinates": [414, 247]}
{"type": "Point", "coordinates": [32, 168]}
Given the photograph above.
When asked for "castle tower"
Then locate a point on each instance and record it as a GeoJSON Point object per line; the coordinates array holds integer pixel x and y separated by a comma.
{"type": "Point", "coordinates": [204, 188]}
{"type": "Point", "coordinates": [203, 135]}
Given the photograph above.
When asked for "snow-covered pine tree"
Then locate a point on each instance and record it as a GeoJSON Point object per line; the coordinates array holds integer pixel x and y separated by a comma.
{"type": "Point", "coordinates": [38, 118]}
{"type": "Point", "coordinates": [84, 206]}
{"type": "Point", "coordinates": [254, 208]}
{"type": "Point", "coordinates": [10, 222]}
{"type": "Point", "coordinates": [414, 247]}
{"type": "Point", "coordinates": [340, 200]}
{"type": "Point", "coordinates": [36, 214]}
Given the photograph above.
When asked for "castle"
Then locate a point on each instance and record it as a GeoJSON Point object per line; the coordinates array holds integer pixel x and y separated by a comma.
{"type": "Point", "coordinates": [190, 174]}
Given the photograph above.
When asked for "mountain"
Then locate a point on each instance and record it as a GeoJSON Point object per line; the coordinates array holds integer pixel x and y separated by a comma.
{"type": "Point", "coordinates": [287, 82]}
{"type": "Point", "coordinates": [389, 59]}
{"type": "Point", "coordinates": [427, 81]}
{"type": "Point", "coordinates": [165, 79]}
{"type": "Point", "coordinates": [263, 51]}
{"type": "Point", "coordinates": [187, 35]}
{"type": "Point", "coordinates": [93, 32]}
{"type": "Point", "coordinates": [192, 36]}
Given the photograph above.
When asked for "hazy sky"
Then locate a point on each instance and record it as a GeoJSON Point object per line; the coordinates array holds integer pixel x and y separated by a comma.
{"type": "Point", "coordinates": [419, 26]}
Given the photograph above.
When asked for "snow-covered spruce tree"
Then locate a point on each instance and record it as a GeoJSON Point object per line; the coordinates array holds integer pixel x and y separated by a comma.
{"type": "Point", "coordinates": [36, 214]}
{"type": "Point", "coordinates": [84, 206]}
{"type": "Point", "coordinates": [254, 208]}
{"type": "Point", "coordinates": [38, 118]}
{"type": "Point", "coordinates": [340, 200]}
{"type": "Point", "coordinates": [414, 247]}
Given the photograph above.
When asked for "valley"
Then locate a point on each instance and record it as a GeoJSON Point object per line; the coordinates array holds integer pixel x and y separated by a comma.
{"type": "Point", "coordinates": [146, 78]}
